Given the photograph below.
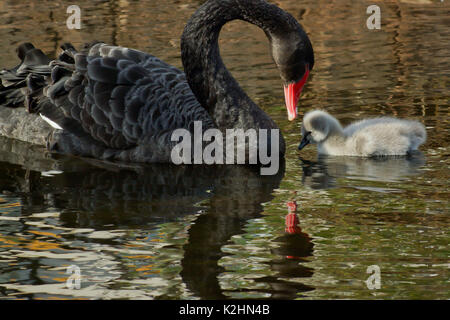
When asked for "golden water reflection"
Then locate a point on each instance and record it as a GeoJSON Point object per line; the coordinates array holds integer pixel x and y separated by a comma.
{"type": "Point", "coordinates": [153, 232]}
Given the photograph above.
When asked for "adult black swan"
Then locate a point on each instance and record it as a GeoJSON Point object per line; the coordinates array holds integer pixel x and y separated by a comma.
{"type": "Point", "coordinates": [122, 104]}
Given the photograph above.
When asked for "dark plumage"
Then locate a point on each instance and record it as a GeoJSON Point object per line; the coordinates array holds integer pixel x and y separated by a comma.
{"type": "Point", "coordinates": [119, 103]}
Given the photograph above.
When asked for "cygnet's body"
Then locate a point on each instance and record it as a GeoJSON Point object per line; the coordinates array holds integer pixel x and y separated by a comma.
{"type": "Point", "coordinates": [366, 138]}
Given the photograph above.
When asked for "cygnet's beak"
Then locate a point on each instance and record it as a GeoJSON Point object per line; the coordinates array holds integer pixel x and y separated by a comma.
{"type": "Point", "coordinates": [305, 141]}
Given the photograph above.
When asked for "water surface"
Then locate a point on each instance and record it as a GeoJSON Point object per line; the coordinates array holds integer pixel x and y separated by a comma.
{"type": "Point", "coordinates": [165, 232]}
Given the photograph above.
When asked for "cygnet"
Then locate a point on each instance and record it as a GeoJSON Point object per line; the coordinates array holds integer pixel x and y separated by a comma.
{"type": "Point", "coordinates": [383, 136]}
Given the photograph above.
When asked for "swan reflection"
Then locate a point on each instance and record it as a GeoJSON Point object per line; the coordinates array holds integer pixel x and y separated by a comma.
{"type": "Point", "coordinates": [109, 206]}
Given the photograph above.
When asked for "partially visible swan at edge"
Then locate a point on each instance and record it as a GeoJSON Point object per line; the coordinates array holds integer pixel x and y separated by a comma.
{"type": "Point", "coordinates": [122, 104]}
{"type": "Point", "coordinates": [383, 136]}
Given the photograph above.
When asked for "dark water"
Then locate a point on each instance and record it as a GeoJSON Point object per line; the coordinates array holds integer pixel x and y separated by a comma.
{"type": "Point", "coordinates": [156, 232]}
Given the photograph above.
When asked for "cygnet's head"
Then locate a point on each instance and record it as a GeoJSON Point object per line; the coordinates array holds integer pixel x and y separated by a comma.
{"type": "Point", "coordinates": [316, 127]}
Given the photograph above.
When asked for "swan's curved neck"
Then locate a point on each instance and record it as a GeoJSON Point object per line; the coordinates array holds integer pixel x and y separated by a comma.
{"type": "Point", "coordinates": [214, 86]}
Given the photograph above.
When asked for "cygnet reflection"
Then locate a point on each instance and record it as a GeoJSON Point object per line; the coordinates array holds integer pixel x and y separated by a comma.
{"type": "Point", "coordinates": [323, 173]}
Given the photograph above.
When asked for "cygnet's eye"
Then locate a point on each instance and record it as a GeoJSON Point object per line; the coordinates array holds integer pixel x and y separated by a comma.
{"type": "Point", "coordinates": [308, 135]}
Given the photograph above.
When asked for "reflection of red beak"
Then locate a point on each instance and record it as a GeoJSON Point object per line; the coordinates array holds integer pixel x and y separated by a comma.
{"type": "Point", "coordinates": [292, 224]}
{"type": "Point", "coordinates": [292, 219]}
{"type": "Point", "coordinates": [292, 206]}
{"type": "Point", "coordinates": [292, 93]}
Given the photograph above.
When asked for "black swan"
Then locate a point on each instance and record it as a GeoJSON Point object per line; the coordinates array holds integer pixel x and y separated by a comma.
{"type": "Point", "coordinates": [123, 104]}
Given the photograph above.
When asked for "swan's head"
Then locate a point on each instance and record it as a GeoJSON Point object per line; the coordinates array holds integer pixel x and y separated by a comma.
{"type": "Point", "coordinates": [316, 127]}
{"type": "Point", "coordinates": [294, 57]}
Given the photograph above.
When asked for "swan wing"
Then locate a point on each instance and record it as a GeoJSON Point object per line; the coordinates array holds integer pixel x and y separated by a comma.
{"type": "Point", "coordinates": [115, 95]}
{"type": "Point", "coordinates": [112, 96]}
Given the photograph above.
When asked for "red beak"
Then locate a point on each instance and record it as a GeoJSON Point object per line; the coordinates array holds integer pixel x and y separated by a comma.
{"type": "Point", "coordinates": [292, 94]}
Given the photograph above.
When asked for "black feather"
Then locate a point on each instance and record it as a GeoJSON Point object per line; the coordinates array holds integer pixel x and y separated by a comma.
{"type": "Point", "coordinates": [98, 72]}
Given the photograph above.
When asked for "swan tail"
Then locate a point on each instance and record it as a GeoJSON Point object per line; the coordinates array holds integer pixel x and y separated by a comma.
{"type": "Point", "coordinates": [11, 97]}
{"type": "Point", "coordinates": [14, 81]}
